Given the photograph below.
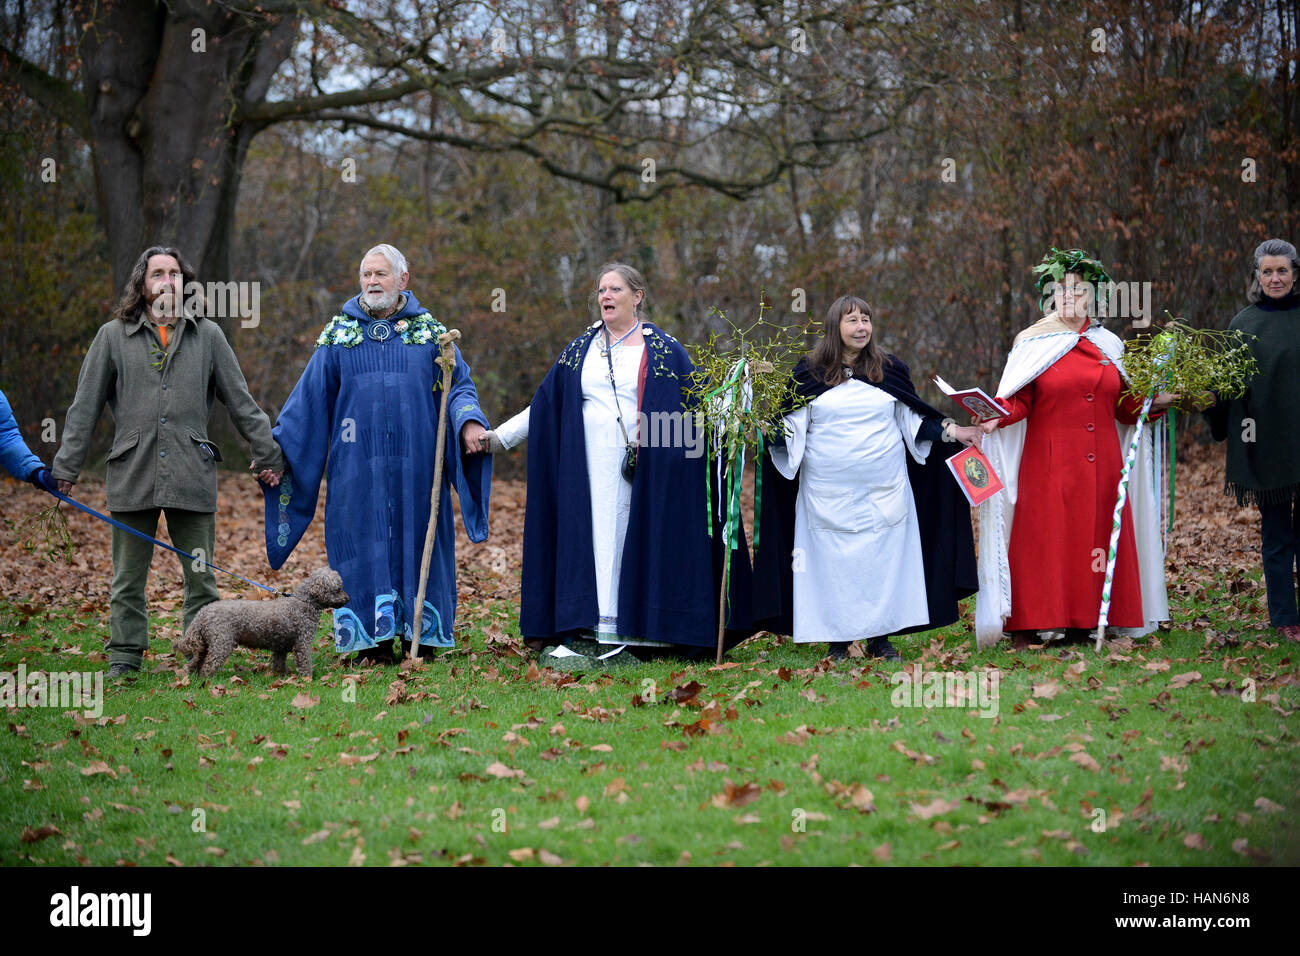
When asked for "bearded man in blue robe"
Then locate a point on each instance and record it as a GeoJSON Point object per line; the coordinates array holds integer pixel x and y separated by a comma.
{"type": "Point", "coordinates": [364, 415]}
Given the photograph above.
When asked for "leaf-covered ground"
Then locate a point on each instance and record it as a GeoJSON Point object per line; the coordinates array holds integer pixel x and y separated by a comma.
{"type": "Point", "coordinates": [1179, 749]}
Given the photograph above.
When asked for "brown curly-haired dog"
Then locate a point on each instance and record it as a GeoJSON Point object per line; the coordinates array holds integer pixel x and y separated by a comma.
{"type": "Point", "coordinates": [281, 625]}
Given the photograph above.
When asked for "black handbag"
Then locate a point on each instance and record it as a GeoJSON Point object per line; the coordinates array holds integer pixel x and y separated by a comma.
{"type": "Point", "coordinates": [628, 468]}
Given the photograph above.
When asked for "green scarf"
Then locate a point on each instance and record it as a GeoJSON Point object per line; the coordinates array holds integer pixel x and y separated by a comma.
{"type": "Point", "coordinates": [1266, 470]}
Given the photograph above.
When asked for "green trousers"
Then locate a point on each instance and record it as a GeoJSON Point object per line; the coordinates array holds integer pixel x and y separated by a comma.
{"type": "Point", "coordinates": [128, 619]}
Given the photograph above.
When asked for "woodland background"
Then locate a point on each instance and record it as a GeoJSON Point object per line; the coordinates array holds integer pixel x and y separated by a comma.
{"type": "Point", "coordinates": [924, 155]}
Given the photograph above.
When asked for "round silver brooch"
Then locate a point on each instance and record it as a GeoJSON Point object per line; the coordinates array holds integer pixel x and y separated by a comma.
{"type": "Point", "coordinates": [380, 331]}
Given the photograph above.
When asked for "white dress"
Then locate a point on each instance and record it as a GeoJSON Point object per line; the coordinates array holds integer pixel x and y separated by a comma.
{"type": "Point", "coordinates": [857, 544]}
{"type": "Point", "coordinates": [611, 495]}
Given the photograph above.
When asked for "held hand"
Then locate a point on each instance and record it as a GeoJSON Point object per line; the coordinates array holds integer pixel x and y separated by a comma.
{"type": "Point", "coordinates": [989, 426]}
{"type": "Point", "coordinates": [42, 479]}
{"type": "Point", "coordinates": [1164, 400]}
{"type": "Point", "coordinates": [493, 442]}
{"type": "Point", "coordinates": [65, 487]}
{"type": "Point", "coordinates": [473, 438]}
{"type": "Point", "coordinates": [968, 435]}
{"type": "Point", "coordinates": [266, 476]}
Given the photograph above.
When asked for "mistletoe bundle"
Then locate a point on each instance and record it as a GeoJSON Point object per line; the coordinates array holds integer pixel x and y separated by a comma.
{"type": "Point", "coordinates": [45, 532]}
{"type": "Point", "coordinates": [741, 385]}
{"type": "Point", "coordinates": [1190, 362]}
{"type": "Point", "coordinates": [753, 371]}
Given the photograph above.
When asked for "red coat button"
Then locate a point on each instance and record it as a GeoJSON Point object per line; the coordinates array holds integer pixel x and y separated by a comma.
{"type": "Point", "coordinates": [1089, 397]}
{"type": "Point", "coordinates": [1092, 457]}
{"type": "Point", "coordinates": [1090, 426]}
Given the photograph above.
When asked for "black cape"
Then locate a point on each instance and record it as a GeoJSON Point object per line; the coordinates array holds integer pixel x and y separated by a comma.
{"type": "Point", "coordinates": [943, 513]}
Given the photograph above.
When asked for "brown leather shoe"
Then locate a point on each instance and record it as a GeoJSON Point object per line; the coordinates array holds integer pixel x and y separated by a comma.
{"type": "Point", "coordinates": [1291, 631]}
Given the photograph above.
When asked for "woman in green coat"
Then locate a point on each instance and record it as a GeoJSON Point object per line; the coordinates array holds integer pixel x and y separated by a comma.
{"type": "Point", "coordinates": [1263, 426]}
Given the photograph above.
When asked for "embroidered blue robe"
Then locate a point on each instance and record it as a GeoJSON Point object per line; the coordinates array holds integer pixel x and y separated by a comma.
{"type": "Point", "coordinates": [364, 415]}
{"type": "Point", "coordinates": [671, 568]}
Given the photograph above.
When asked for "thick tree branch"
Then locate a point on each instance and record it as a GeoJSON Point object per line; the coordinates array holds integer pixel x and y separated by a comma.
{"type": "Point", "coordinates": [58, 96]}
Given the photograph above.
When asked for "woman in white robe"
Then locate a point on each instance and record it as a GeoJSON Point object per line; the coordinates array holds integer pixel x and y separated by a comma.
{"type": "Point", "coordinates": [858, 566]}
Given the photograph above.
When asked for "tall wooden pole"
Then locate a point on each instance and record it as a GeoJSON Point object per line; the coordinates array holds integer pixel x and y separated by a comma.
{"type": "Point", "coordinates": [447, 360]}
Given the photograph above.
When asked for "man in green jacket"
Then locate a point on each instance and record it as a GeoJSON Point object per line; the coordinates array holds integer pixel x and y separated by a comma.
{"type": "Point", "coordinates": [158, 367]}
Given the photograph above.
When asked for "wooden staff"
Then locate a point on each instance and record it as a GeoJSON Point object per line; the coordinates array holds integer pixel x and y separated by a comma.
{"type": "Point", "coordinates": [447, 360]}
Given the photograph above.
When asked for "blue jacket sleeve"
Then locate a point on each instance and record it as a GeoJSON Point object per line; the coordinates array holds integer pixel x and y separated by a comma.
{"type": "Point", "coordinates": [16, 457]}
{"type": "Point", "coordinates": [303, 432]}
{"type": "Point", "coordinates": [472, 474]}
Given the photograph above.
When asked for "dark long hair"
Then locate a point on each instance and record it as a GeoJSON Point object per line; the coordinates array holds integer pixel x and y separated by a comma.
{"type": "Point", "coordinates": [132, 302]}
{"type": "Point", "coordinates": [827, 359]}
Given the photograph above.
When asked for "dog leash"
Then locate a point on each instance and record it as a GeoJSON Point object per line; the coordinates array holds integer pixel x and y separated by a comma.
{"type": "Point", "coordinates": [140, 534]}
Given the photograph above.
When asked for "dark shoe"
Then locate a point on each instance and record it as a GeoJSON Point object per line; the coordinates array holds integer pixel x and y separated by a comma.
{"type": "Point", "coordinates": [379, 655]}
{"type": "Point", "coordinates": [121, 670]}
{"type": "Point", "coordinates": [1079, 635]}
{"type": "Point", "coordinates": [1023, 640]}
{"type": "Point", "coordinates": [837, 650]}
{"type": "Point", "coordinates": [880, 647]}
{"type": "Point", "coordinates": [426, 653]}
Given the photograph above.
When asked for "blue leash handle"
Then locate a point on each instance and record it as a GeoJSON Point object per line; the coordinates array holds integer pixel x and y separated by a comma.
{"type": "Point", "coordinates": [140, 534]}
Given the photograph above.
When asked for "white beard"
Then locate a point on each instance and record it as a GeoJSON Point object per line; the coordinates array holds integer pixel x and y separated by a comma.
{"type": "Point", "coordinates": [379, 302]}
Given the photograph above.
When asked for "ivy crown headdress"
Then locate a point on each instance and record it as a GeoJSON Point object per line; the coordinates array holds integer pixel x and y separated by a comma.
{"type": "Point", "coordinates": [1060, 261]}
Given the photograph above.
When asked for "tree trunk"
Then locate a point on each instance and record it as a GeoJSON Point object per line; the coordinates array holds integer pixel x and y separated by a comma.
{"type": "Point", "coordinates": [161, 86]}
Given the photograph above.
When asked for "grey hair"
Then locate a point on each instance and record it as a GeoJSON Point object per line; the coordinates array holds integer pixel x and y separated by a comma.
{"type": "Point", "coordinates": [395, 258]}
{"type": "Point", "coordinates": [634, 279]}
{"type": "Point", "coordinates": [1270, 247]}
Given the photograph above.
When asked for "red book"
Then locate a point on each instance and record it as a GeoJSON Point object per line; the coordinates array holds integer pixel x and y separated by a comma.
{"type": "Point", "coordinates": [978, 480]}
{"type": "Point", "coordinates": [975, 400]}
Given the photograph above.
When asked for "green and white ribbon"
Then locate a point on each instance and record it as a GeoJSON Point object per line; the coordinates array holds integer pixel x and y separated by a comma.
{"type": "Point", "coordinates": [1103, 616]}
{"type": "Point", "coordinates": [731, 456]}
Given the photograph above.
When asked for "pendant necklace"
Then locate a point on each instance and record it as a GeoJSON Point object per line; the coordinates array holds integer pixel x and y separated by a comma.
{"type": "Point", "coordinates": [606, 349]}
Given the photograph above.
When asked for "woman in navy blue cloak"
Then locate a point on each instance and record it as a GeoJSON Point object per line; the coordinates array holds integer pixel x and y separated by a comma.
{"type": "Point", "coordinates": [632, 562]}
{"type": "Point", "coordinates": [364, 415]}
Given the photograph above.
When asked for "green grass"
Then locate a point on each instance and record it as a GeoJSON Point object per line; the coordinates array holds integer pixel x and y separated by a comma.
{"type": "Point", "coordinates": [369, 774]}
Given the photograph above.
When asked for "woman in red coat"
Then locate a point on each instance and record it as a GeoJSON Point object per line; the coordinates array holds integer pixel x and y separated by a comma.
{"type": "Point", "coordinates": [1066, 385]}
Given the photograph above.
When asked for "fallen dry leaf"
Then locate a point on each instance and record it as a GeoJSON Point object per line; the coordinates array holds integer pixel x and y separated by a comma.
{"type": "Point", "coordinates": [1085, 761]}
{"type": "Point", "coordinates": [1047, 690]}
{"type": "Point", "coordinates": [736, 797]}
{"type": "Point", "coordinates": [934, 808]}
